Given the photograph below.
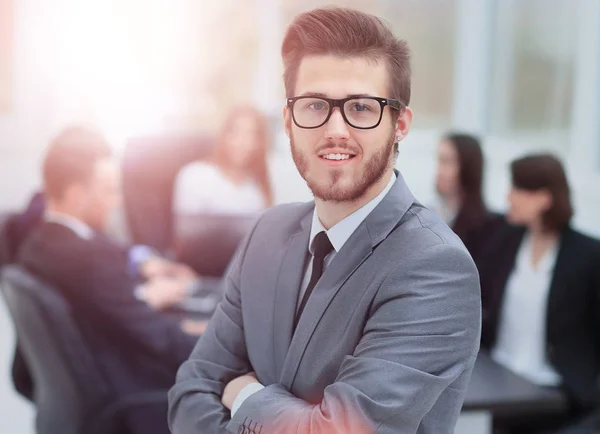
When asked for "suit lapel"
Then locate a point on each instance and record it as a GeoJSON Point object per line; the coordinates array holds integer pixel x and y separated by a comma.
{"type": "Point", "coordinates": [376, 227]}
{"type": "Point", "coordinates": [289, 280]}
{"type": "Point", "coordinates": [559, 274]}
{"type": "Point", "coordinates": [336, 274]}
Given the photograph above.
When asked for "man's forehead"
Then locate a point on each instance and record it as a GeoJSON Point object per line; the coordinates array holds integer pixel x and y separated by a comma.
{"type": "Point", "coordinates": [339, 77]}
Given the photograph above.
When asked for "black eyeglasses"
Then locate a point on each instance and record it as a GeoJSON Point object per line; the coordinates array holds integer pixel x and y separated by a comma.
{"type": "Point", "coordinates": [362, 113]}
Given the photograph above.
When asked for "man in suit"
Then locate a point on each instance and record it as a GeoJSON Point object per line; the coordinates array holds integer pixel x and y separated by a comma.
{"type": "Point", "coordinates": [358, 312]}
{"type": "Point", "coordinates": [138, 348]}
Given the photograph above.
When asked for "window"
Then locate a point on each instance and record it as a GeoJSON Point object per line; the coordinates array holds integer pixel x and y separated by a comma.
{"type": "Point", "coordinates": [532, 69]}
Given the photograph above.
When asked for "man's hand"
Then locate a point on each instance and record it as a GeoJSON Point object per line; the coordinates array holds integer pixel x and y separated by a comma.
{"type": "Point", "coordinates": [162, 293]}
{"type": "Point", "coordinates": [234, 387]}
{"type": "Point", "coordinates": [181, 271]}
{"type": "Point", "coordinates": [157, 267]}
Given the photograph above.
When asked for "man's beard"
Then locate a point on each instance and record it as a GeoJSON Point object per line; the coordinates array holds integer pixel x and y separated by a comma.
{"type": "Point", "coordinates": [328, 188]}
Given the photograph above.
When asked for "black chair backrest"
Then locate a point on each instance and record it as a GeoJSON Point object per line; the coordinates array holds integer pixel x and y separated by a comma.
{"type": "Point", "coordinates": [214, 243]}
{"type": "Point", "coordinates": [5, 246]}
{"type": "Point", "coordinates": [150, 167]}
{"type": "Point", "coordinates": [69, 388]}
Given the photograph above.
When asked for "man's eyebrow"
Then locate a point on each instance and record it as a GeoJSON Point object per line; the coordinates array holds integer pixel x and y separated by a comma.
{"type": "Point", "coordinates": [315, 94]}
{"type": "Point", "coordinates": [360, 95]}
{"type": "Point", "coordinates": [322, 95]}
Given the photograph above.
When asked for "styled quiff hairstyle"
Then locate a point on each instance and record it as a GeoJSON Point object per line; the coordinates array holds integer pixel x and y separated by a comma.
{"type": "Point", "coordinates": [346, 33]}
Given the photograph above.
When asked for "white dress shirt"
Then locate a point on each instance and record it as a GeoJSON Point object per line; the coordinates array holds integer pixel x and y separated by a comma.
{"type": "Point", "coordinates": [338, 235]}
{"type": "Point", "coordinates": [202, 187]}
{"type": "Point", "coordinates": [521, 343]}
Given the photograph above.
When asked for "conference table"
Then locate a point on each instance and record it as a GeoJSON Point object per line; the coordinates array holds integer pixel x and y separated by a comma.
{"type": "Point", "coordinates": [496, 391]}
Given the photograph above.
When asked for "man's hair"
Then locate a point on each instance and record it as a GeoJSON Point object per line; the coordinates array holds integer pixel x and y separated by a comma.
{"type": "Point", "coordinates": [346, 33]}
{"type": "Point", "coordinates": [71, 158]}
{"type": "Point", "coordinates": [545, 172]}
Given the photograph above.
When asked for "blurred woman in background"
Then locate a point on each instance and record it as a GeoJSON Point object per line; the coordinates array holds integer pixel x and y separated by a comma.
{"type": "Point", "coordinates": [235, 179]}
{"type": "Point", "coordinates": [541, 289]}
{"type": "Point", "coordinates": [217, 200]}
{"type": "Point", "coordinates": [459, 181]}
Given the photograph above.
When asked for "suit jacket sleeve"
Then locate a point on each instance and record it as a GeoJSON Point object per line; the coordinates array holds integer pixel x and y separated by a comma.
{"type": "Point", "coordinates": [422, 338]}
{"type": "Point", "coordinates": [111, 292]}
{"type": "Point", "coordinates": [219, 357]}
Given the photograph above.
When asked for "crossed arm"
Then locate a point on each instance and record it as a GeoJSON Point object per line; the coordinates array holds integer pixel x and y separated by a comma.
{"type": "Point", "coordinates": [418, 342]}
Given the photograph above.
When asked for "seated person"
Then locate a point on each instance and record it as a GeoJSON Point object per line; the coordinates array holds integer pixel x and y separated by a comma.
{"type": "Point", "coordinates": [459, 180]}
{"type": "Point", "coordinates": [138, 348]}
{"type": "Point", "coordinates": [224, 194]}
{"type": "Point", "coordinates": [234, 180]}
{"type": "Point", "coordinates": [540, 291]}
{"type": "Point", "coordinates": [144, 263]}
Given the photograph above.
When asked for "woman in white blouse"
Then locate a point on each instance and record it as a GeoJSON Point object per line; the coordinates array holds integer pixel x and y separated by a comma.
{"type": "Point", "coordinates": [234, 180]}
{"type": "Point", "coordinates": [541, 288]}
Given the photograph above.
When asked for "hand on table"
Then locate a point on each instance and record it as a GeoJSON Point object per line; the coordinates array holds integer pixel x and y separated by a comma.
{"type": "Point", "coordinates": [156, 267]}
{"type": "Point", "coordinates": [162, 293]}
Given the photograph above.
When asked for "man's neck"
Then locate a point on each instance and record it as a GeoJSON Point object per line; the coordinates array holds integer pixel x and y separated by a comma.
{"type": "Point", "coordinates": [62, 210]}
{"type": "Point", "coordinates": [331, 213]}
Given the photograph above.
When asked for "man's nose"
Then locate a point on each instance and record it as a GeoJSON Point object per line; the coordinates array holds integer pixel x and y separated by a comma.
{"type": "Point", "coordinates": [336, 127]}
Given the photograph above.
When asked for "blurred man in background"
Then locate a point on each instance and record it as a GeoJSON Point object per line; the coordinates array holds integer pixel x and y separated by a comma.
{"type": "Point", "coordinates": [138, 347]}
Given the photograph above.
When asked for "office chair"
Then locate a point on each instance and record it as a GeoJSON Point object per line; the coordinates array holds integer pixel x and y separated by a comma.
{"type": "Point", "coordinates": [70, 394]}
{"type": "Point", "coordinates": [212, 241]}
{"type": "Point", "coordinates": [150, 167]}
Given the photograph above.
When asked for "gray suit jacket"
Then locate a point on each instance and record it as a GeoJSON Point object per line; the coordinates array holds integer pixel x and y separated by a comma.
{"type": "Point", "coordinates": [386, 343]}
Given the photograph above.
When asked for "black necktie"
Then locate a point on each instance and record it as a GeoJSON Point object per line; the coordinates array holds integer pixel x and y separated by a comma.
{"type": "Point", "coordinates": [322, 247]}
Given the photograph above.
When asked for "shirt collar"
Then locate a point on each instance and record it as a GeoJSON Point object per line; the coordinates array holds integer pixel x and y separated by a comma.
{"type": "Point", "coordinates": [80, 228]}
{"type": "Point", "coordinates": [546, 263]}
{"type": "Point", "coordinates": [339, 234]}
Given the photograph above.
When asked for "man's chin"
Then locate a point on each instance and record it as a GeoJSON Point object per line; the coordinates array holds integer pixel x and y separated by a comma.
{"type": "Point", "coordinates": [338, 193]}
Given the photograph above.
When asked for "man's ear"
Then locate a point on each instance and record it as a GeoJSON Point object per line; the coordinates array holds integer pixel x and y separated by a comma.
{"type": "Point", "coordinates": [287, 121]}
{"type": "Point", "coordinates": [403, 124]}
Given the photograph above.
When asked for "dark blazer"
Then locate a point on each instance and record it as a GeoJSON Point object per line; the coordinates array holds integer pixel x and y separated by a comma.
{"type": "Point", "coordinates": [573, 312]}
{"type": "Point", "coordinates": [477, 238]}
{"type": "Point", "coordinates": [138, 348]}
{"type": "Point", "coordinates": [18, 226]}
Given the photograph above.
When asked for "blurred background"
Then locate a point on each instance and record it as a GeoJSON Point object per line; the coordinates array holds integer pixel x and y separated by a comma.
{"type": "Point", "coordinates": [523, 75]}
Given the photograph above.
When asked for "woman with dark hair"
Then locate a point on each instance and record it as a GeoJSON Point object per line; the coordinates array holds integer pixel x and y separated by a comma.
{"type": "Point", "coordinates": [540, 288]}
{"type": "Point", "coordinates": [459, 183]}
